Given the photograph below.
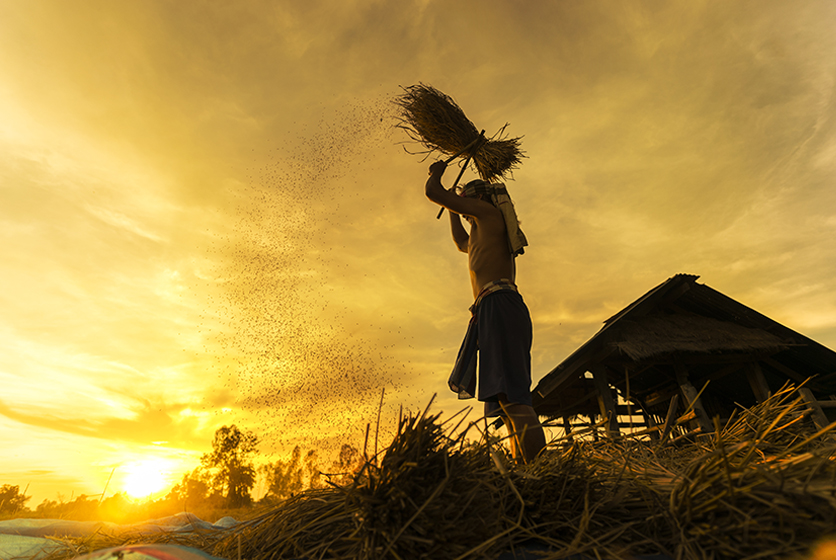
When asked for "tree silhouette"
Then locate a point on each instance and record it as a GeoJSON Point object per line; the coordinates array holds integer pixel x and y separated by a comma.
{"type": "Point", "coordinates": [285, 478]}
{"type": "Point", "coordinates": [196, 488]}
{"type": "Point", "coordinates": [312, 468]}
{"type": "Point", "coordinates": [348, 462]}
{"type": "Point", "coordinates": [234, 473]}
{"type": "Point", "coordinates": [11, 500]}
{"type": "Point", "coordinates": [302, 470]}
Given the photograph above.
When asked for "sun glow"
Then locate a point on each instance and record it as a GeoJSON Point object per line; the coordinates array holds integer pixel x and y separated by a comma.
{"type": "Point", "coordinates": [144, 478]}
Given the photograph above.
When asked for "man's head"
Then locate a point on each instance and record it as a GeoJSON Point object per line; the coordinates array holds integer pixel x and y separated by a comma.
{"type": "Point", "coordinates": [477, 189]}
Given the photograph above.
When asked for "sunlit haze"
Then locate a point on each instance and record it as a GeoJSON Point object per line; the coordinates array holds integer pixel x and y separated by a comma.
{"type": "Point", "coordinates": [207, 217]}
{"type": "Point", "coordinates": [146, 477]}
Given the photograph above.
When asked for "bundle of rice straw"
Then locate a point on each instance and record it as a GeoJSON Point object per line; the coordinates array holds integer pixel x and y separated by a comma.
{"type": "Point", "coordinates": [433, 119]}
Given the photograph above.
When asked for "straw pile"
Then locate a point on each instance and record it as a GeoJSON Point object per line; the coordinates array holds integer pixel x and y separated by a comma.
{"type": "Point", "coordinates": [763, 485]}
{"type": "Point", "coordinates": [433, 119]}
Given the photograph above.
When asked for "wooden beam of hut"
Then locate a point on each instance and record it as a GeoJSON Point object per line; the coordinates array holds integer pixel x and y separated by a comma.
{"type": "Point", "coordinates": [757, 381]}
{"type": "Point", "coordinates": [605, 400]}
{"type": "Point", "coordinates": [666, 427]}
{"type": "Point", "coordinates": [567, 426]}
{"type": "Point", "coordinates": [692, 398]}
{"type": "Point", "coordinates": [652, 427]}
{"type": "Point", "coordinates": [792, 374]}
{"type": "Point", "coordinates": [819, 417]}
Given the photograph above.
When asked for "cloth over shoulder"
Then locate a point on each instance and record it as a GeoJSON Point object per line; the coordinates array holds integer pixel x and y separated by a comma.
{"type": "Point", "coordinates": [502, 201]}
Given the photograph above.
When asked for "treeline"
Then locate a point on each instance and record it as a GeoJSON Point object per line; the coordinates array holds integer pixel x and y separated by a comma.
{"type": "Point", "coordinates": [226, 477]}
{"type": "Point", "coordinates": [223, 481]}
{"type": "Point", "coordinates": [13, 504]}
{"type": "Point", "coordinates": [11, 500]}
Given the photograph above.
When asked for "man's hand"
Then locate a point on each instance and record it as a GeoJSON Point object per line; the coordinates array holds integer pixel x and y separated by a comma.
{"type": "Point", "coordinates": [436, 192]}
{"type": "Point", "coordinates": [438, 168]}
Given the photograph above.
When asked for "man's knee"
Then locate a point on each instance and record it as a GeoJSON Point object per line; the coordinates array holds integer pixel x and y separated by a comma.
{"type": "Point", "coordinates": [519, 410]}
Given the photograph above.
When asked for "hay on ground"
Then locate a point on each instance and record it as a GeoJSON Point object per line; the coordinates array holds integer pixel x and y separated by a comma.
{"type": "Point", "coordinates": [762, 486]}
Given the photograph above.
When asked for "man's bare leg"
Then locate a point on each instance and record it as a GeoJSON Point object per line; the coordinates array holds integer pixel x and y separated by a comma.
{"type": "Point", "coordinates": [523, 421]}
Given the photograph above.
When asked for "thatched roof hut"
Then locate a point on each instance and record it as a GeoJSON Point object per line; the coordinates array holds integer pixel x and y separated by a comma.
{"type": "Point", "coordinates": [671, 342]}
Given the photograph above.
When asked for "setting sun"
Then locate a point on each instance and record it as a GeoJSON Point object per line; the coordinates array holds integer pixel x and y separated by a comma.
{"type": "Point", "coordinates": [145, 478]}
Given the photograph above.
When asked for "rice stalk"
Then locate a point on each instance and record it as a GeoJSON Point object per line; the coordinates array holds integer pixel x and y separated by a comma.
{"type": "Point", "coordinates": [433, 120]}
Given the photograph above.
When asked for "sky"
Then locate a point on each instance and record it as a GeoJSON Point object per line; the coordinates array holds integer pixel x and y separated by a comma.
{"type": "Point", "coordinates": [207, 216]}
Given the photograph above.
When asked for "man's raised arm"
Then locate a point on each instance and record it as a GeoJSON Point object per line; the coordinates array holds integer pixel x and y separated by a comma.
{"type": "Point", "coordinates": [436, 192]}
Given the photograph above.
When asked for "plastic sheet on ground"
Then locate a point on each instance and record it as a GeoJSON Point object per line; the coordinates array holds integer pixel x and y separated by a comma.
{"type": "Point", "coordinates": [30, 538]}
{"type": "Point", "coordinates": [148, 552]}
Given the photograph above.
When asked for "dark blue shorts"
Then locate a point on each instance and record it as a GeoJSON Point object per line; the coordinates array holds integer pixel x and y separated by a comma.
{"type": "Point", "coordinates": [505, 333]}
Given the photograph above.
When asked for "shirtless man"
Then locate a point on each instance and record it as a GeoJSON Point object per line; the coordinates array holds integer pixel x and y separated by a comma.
{"type": "Point", "coordinates": [500, 323]}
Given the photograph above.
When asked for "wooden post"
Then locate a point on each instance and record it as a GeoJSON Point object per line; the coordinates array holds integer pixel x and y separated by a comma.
{"type": "Point", "coordinates": [651, 423]}
{"type": "Point", "coordinates": [605, 400]}
{"type": "Point", "coordinates": [757, 381]}
{"type": "Point", "coordinates": [794, 375]}
{"type": "Point", "coordinates": [819, 418]}
{"type": "Point", "coordinates": [567, 427]}
{"type": "Point", "coordinates": [669, 418]}
{"type": "Point", "coordinates": [629, 408]}
{"type": "Point", "coordinates": [690, 394]}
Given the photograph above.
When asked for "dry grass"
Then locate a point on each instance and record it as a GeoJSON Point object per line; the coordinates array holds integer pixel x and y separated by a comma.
{"type": "Point", "coordinates": [433, 119]}
{"type": "Point", "coordinates": [761, 486]}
